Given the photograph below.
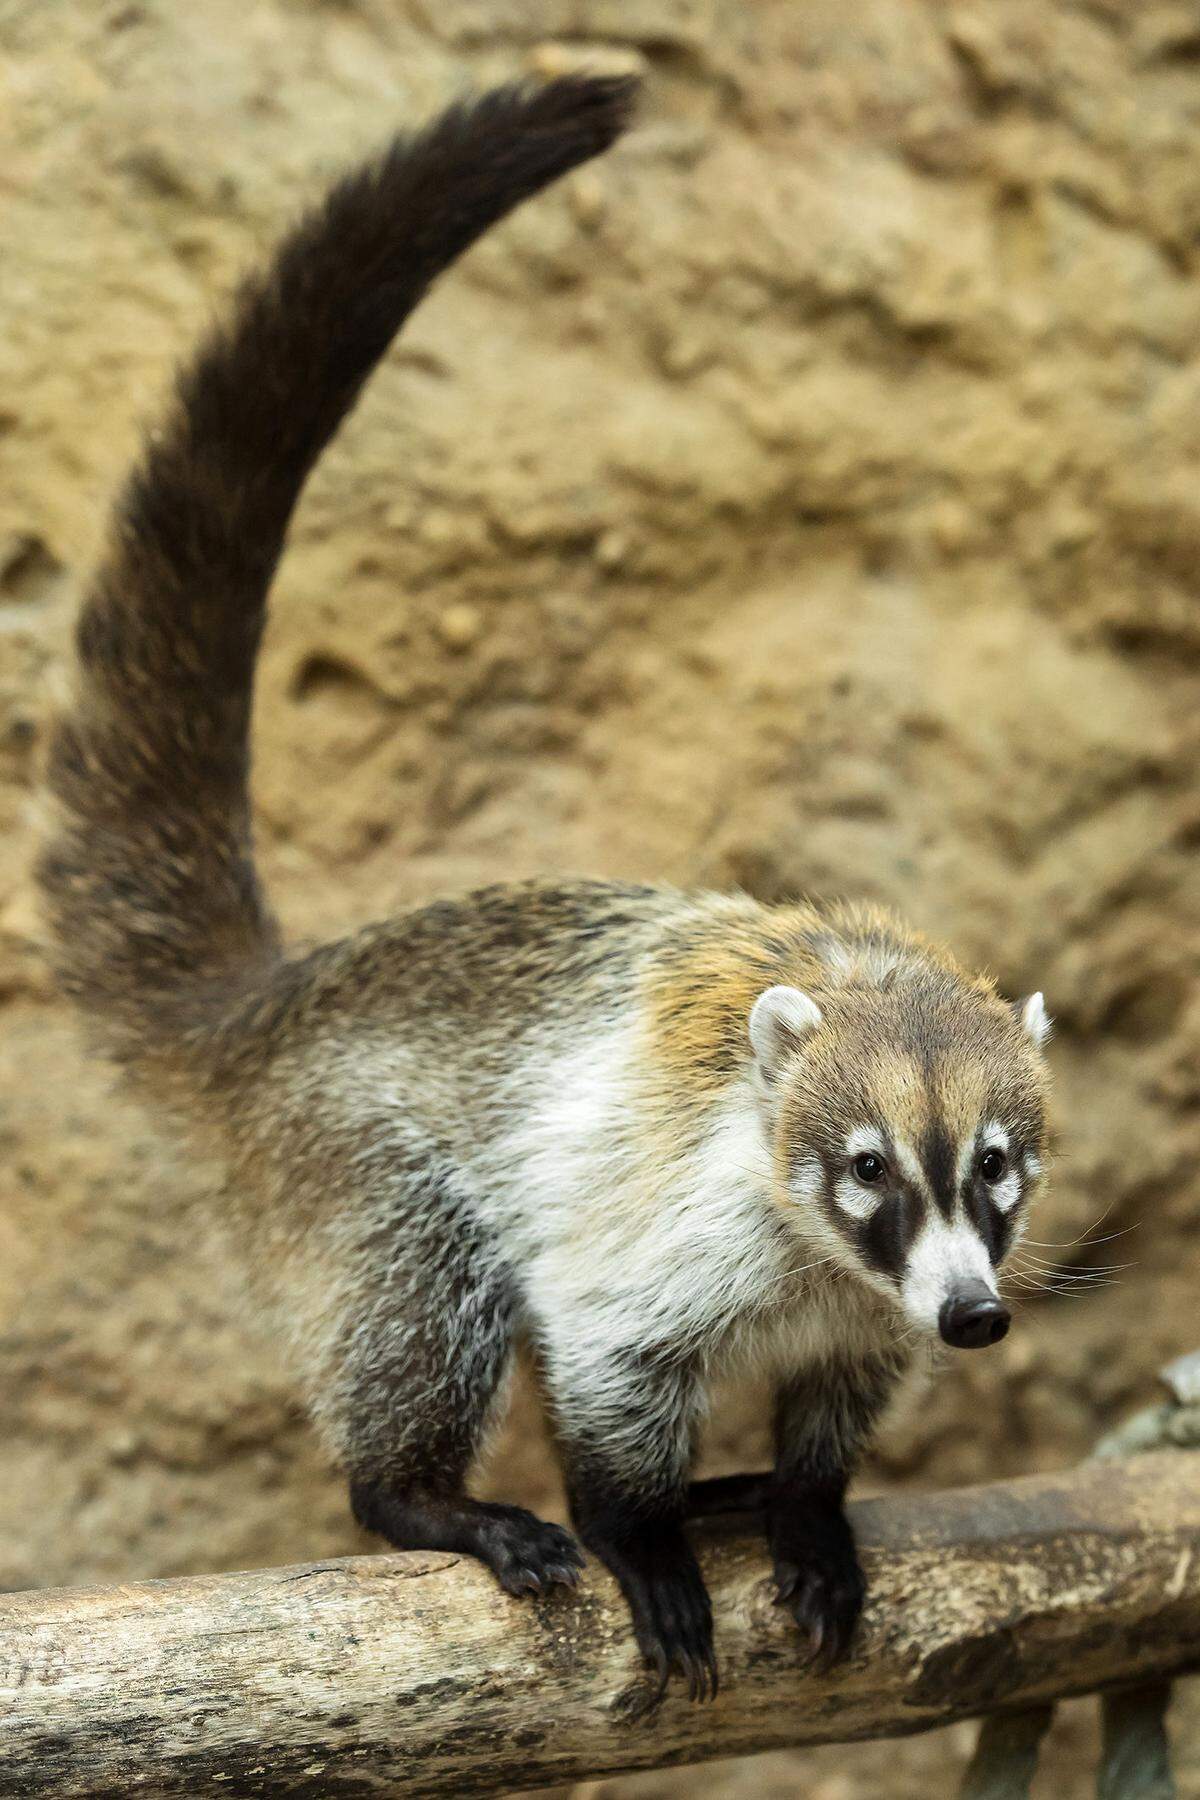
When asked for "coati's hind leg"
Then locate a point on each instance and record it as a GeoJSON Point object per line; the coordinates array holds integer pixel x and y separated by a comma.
{"type": "Point", "coordinates": [424, 1358]}
{"type": "Point", "coordinates": [525, 1554]}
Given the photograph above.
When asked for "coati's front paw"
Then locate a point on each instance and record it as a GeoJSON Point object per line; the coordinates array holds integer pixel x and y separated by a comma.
{"type": "Point", "coordinates": [818, 1578]}
{"type": "Point", "coordinates": [526, 1554]}
{"type": "Point", "coordinates": [672, 1618]}
{"type": "Point", "coordinates": [671, 1610]}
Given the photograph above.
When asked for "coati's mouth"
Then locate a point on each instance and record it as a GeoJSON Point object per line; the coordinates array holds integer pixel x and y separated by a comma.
{"type": "Point", "coordinates": [972, 1317]}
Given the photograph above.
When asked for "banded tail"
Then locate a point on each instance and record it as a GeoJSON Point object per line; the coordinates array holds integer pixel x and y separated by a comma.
{"type": "Point", "coordinates": [148, 878]}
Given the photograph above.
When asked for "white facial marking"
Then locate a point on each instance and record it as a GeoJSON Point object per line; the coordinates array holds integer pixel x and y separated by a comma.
{"type": "Point", "coordinates": [910, 1167]}
{"type": "Point", "coordinates": [1006, 1192]}
{"type": "Point", "coordinates": [807, 1179]}
{"type": "Point", "coordinates": [943, 1257]}
{"type": "Point", "coordinates": [855, 1199]}
{"type": "Point", "coordinates": [1033, 1165]}
{"type": "Point", "coordinates": [865, 1140]}
{"type": "Point", "coordinates": [965, 1163]}
{"type": "Point", "coordinates": [994, 1137]}
{"type": "Point", "coordinates": [778, 1018]}
{"type": "Point", "coordinates": [1035, 1019]}
{"type": "Point", "coordinates": [852, 1196]}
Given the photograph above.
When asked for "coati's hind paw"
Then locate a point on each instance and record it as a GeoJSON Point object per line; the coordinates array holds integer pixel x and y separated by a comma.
{"type": "Point", "coordinates": [524, 1553]}
{"type": "Point", "coordinates": [818, 1579]}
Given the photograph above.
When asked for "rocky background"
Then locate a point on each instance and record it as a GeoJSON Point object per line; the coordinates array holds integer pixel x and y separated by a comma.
{"type": "Point", "coordinates": [803, 498]}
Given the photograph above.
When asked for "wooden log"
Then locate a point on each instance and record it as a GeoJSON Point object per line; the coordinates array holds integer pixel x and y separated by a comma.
{"type": "Point", "coordinates": [415, 1675]}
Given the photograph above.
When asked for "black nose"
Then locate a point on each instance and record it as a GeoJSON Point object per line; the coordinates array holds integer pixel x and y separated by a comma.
{"type": "Point", "coordinates": [973, 1317]}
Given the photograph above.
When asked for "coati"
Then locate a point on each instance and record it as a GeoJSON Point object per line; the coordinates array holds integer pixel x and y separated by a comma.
{"type": "Point", "coordinates": [651, 1133]}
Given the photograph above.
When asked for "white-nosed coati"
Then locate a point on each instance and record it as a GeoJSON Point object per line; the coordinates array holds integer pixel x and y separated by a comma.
{"type": "Point", "coordinates": [648, 1132]}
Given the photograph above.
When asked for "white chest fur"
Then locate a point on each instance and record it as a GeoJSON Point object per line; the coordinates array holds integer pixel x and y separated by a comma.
{"type": "Point", "coordinates": [631, 1242]}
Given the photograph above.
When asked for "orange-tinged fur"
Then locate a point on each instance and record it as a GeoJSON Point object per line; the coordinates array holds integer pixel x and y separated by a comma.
{"type": "Point", "coordinates": [727, 949]}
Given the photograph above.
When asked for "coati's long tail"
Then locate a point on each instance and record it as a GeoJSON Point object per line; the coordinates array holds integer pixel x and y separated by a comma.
{"type": "Point", "coordinates": [148, 877]}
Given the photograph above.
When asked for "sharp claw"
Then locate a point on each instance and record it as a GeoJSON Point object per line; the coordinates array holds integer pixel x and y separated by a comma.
{"type": "Point", "coordinates": [804, 1602]}
{"type": "Point", "coordinates": [657, 1656]}
{"type": "Point", "coordinates": [699, 1669]}
{"type": "Point", "coordinates": [564, 1573]}
{"type": "Point", "coordinates": [787, 1577]}
{"type": "Point", "coordinates": [843, 1638]}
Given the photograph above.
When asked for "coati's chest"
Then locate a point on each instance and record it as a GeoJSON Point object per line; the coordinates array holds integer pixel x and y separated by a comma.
{"type": "Point", "coordinates": [631, 1232]}
{"type": "Point", "coordinates": [832, 1323]}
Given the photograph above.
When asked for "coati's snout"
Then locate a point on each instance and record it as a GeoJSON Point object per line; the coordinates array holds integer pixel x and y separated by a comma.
{"type": "Point", "coordinates": [972, 1317]}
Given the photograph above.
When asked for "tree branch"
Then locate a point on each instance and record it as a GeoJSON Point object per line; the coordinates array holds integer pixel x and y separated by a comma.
{"type": "Point", "coordinates": [415, 1675]}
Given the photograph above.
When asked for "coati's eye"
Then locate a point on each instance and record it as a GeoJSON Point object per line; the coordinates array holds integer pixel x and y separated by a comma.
{"type": "Point", "coordinates": [992, 1164]}
{"type": "Point", "coordinates": [869, 1168]}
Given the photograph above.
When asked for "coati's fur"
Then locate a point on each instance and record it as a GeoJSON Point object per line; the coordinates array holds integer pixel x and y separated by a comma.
{"type": "Point", "coordinates": [650, 1132]}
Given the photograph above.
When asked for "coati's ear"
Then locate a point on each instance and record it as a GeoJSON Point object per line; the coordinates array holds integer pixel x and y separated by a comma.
{"type": "Point", "coordinates": [1033, 1018]}
{"type": "Point", "coordinates": [779, 1019]}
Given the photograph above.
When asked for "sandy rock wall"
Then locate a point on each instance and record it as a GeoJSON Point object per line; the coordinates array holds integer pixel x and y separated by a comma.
{"type": "Point", "coordinates": [804, 498]}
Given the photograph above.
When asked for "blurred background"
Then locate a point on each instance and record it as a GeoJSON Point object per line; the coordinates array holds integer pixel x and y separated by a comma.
{"type": "Point", "coordinates": [803, 498]}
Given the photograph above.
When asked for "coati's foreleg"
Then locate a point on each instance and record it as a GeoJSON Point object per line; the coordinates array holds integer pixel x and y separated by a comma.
{"type": "Point", "coordinates": [424, 1355]}
{"type": "Point", "coordinates": [823, 1416]}
{"type": "Point", "coordinates": [627, 1446]}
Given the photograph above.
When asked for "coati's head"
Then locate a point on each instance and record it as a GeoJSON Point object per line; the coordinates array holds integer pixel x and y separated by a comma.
{"type": "Point", "coordinates": [908, 1125]}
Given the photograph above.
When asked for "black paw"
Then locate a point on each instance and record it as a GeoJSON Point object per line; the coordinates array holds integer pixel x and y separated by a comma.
{"type": "Point", "coordinates": [526, 1554]}
{"type": "Point", "coordinates": [672, 1613]}
{"type": "Point", "coordinates": [818, 1579]}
